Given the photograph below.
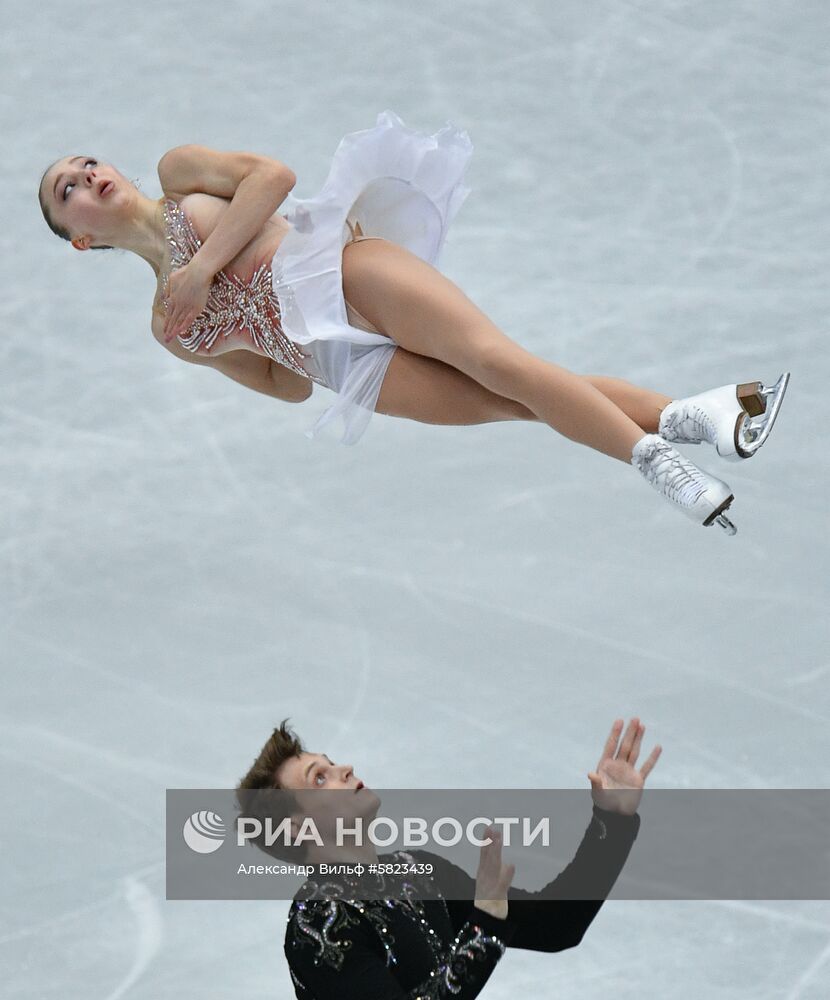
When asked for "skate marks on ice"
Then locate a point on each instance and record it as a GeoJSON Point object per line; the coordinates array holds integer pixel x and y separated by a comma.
{"type": "Point", "coordinates": [815, 973]}
{"type": "Point", "coordinates": [649, 195]}
{"type": "Point", "coordinates": [662, 123]}
{"type": "Point", "coordinates": [148, 935]}
{"type": "Point", "coordinates": [117, 912]}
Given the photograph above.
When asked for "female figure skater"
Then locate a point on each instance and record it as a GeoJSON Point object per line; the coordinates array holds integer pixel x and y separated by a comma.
{"type": "Point", "coordinates": [341, 291]}
{"type": "Point", "coordinates": [394, 936]}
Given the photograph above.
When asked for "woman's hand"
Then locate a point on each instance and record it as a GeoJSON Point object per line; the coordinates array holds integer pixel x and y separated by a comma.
{"type": "Point", "coordinates": [493, 878]}
{"type": "Point", "coordinates": [186, 296]}
{"type": "Point", "coordinates": [617, 785]}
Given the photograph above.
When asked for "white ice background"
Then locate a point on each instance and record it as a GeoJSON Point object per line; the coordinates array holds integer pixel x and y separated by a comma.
{"type": "Point", "coordinates": [181, 568]}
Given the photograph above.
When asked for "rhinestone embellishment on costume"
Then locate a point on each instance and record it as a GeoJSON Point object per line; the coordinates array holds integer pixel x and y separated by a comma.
{"type": "Point", "coordinates": [233, 304]}
{"type": "Point", "coordinates": [323, 917]}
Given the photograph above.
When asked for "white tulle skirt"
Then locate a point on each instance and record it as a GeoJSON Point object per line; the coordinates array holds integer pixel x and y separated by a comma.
{"type": "Point", "coordinates": [395, 183]}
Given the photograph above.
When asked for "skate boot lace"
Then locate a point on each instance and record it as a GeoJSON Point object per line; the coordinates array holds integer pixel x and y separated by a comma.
{"type": "Point", "coordinates": [689, 423]}
{"type": "Point", "coordinates": [673, 475]}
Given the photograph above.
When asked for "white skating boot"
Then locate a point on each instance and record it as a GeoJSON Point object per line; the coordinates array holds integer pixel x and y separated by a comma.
{"type": "Point", "coordinates": [699, 495]}
{"type": "Point", "coordinates": [736, 419]}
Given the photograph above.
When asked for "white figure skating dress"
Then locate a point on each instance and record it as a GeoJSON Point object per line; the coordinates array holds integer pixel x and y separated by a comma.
{"type": "Point", "coordinates": [390, 182]}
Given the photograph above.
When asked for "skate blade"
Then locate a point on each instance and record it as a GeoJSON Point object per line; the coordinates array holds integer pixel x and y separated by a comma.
{"type": "Point", "coordinates": [719, 518]}
{"type": "Point", "coordinates": [754, 431]}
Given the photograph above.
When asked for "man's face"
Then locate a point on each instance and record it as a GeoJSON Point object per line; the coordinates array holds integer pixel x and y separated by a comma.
{"type": "Point", "coordinates": [309, 774]}
{"type": "Point", "coordinates": [316, 770]}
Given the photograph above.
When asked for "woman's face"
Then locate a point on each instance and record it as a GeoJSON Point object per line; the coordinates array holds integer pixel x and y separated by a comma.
{"type": "Point", "coordinates": [86, 197]}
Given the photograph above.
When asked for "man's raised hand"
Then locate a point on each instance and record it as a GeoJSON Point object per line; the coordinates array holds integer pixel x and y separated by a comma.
{"type": "Point", "coordinates": [617, 784]}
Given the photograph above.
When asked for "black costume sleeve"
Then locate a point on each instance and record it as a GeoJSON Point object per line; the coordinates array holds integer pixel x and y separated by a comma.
{"type": "Point", "coordinates": [551, 919]}
{"type": "Point", "coordinates": [359, 970]}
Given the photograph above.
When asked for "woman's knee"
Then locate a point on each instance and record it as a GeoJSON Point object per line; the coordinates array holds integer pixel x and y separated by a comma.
{"type": "Point", "coordinates": [610, 382]}
{"type": "Point", "coordinates": [501, 366]}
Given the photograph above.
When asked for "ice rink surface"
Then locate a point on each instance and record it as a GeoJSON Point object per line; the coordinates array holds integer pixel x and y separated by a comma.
{"type": "Point", "coordinates": [181, 568]}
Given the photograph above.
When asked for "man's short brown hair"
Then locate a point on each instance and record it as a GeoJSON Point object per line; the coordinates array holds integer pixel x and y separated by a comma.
{"type": "Point", "coordinates": [282, 745]}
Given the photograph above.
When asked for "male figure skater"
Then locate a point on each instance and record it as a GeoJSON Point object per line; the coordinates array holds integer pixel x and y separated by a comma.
{"type": "Point", "coordinates": [445, 943]}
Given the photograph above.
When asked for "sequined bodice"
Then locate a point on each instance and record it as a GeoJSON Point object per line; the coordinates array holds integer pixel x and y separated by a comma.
{"type": "Point", "coordinates": [233, 304]}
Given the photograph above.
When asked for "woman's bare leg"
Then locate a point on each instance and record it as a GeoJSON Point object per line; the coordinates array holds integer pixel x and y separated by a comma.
{"type": "Point", "coordinates": [432, 392]}
{"type": "Point", "coordinates": [642, 405]}
{"type": "Point", "coordinates": [427, 314]}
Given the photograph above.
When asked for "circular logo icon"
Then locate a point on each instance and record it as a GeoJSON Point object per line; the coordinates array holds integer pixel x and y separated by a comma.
{"type": "Point", "coordinates": [204, 832]}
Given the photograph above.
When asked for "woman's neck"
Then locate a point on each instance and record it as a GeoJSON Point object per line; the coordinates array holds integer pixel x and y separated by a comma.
{"type": "Point", "coordinates": [145, 235]}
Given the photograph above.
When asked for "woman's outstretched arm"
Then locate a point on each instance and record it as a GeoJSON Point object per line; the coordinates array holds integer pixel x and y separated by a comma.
{"type": "Point", "coordinates": [256, 186]}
